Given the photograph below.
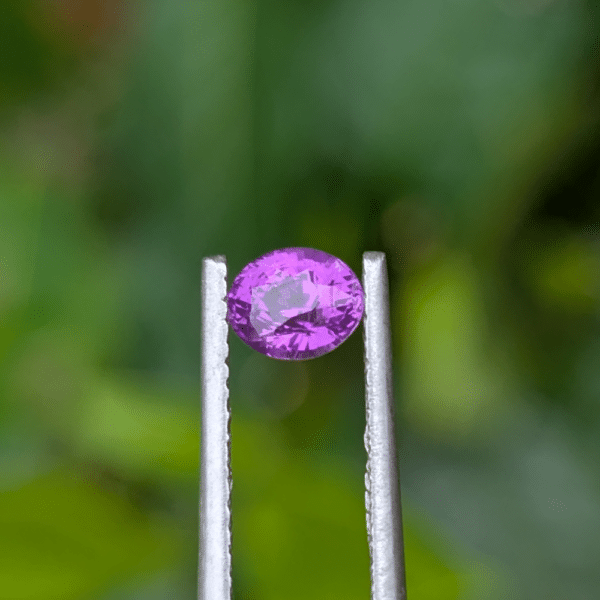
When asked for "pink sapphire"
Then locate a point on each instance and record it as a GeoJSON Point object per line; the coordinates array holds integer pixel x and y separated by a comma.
{"type": "Point", "coordinates": [295, 303]}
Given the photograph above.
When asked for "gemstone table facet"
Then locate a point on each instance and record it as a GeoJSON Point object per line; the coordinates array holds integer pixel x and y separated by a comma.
{"type": "Point", "coordinates": [295, 303]}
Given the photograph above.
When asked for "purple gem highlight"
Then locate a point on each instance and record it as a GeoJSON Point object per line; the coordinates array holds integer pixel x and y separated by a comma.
{"type": "Point", "coordinates": [295, 303]}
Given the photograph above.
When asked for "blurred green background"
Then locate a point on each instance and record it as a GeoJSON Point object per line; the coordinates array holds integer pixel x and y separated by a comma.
{"type": "Point", "coordinates": [459, 136]}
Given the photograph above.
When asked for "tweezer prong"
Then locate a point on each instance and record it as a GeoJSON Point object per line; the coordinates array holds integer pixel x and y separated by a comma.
{"type": "Point", "coordinates": [214, 572]}
{"type": "Point", "coordinates": [382, 498]}
{"type": "Point", "coordinates": [384, 520]}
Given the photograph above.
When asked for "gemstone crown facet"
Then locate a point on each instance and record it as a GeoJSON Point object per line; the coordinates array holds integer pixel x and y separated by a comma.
{"type": "Point", "coordinates": [295, 303]}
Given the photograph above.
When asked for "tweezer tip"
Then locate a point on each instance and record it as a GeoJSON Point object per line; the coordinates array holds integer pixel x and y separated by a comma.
{"type": "Point", "coordinates": [218, 258]}
{"type": "Point", "coordinates": [375, 272]}
{"type": "Point", "coordinates": [373, 257]}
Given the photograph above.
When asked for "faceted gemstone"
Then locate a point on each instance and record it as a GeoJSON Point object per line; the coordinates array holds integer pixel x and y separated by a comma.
{"type": "Point", "coordinates": [295, 303]}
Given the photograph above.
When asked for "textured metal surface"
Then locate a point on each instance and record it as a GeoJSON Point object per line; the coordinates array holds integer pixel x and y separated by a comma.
{"type": "Point", "coordinates": [214, 572]}
{"type": "Point", "coordinates": [382, 498]}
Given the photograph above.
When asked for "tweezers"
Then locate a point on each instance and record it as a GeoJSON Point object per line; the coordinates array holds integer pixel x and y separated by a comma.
{"type": "Point", "coordinates": [382, 497]}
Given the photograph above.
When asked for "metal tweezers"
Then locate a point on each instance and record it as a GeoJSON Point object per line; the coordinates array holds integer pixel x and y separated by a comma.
{"type": "Point", "coordinates": [382, 498]}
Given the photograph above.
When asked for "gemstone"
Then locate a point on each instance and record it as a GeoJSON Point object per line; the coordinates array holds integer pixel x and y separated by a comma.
{"type": "Point", "coordinates": [295, 303]}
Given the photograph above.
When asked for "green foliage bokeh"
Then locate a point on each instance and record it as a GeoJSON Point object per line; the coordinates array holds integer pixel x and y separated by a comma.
{"type": "Point", "coordinates": [460, 138]}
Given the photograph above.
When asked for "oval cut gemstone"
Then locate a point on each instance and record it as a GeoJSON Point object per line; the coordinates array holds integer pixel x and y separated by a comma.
{"type": "Point", "coordinates": [295, 303]}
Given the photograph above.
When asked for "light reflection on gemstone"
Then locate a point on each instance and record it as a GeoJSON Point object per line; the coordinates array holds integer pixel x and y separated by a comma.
{"type": "Point", "coordinates": [295, 303]}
